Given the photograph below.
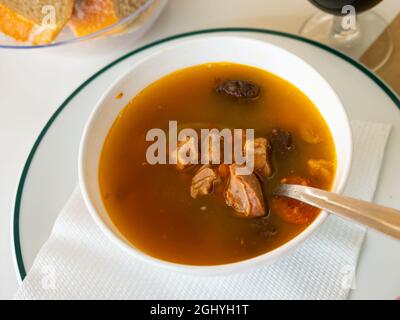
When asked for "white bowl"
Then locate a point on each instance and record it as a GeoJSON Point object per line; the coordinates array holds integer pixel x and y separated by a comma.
{"type": "Point", "coordinates": [193, 52]}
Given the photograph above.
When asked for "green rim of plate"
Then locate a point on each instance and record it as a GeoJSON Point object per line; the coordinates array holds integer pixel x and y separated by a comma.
{"type": "Point", "coordinates": [17, 206]}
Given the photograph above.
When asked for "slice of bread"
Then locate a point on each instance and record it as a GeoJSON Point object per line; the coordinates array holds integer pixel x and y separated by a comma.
{"type": "Point", "coordinates": [93, 15]}
{"type": "Point", "coordinates": [36, 21]}
{"type": "Point", "coordinates": [124, 8]}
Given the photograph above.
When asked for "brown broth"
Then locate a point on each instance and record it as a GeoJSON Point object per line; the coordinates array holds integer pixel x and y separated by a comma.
{"type": "Point", "coordinates": [151, 205]}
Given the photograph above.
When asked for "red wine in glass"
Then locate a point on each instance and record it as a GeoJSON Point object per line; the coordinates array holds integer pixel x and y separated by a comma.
{"type": "Point", "coordinates": [335, 6]}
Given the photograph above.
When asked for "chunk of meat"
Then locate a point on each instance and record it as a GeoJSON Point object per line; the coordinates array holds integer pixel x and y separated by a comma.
{"type": "Point", "coordinates": [309, 134]}
{"type": "Point", "coordinates": [281, 140]}
{"type": "Point", "coordinates": [203, 182]}
{"type": "Point", "coordinates": [291, 210]}
{"type": "Point", "coordinates": [185, 150]}
{"type": "Point", "coordinates": [244, 195]}
{"type": "Point", "coordinates": [261, 157]}
{"type": "Point", "coordinates": [239, 89]}
{"type": "Point", "coordinates": [321, 168]}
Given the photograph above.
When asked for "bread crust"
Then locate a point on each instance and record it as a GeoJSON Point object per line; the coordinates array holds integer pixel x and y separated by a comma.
{"type": "Point", "coordinates": [27, 21]}
{"type": "Point", "coordinates": [90, 16]}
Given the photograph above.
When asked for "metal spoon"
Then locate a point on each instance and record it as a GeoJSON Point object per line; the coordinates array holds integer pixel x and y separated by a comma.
{"type": "Point", "coordinates": [377, 217]}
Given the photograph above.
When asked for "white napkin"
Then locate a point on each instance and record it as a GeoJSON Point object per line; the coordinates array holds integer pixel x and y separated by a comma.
{"type": "Point", "coordinates": [79, 262]}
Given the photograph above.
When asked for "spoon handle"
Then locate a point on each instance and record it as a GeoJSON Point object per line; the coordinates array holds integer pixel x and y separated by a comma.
{"type": "Point", "coordinates": [381, 218]}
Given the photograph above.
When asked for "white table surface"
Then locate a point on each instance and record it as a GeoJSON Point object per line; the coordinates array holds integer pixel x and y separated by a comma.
{"type": "Point", "coordinates": [34, 83]}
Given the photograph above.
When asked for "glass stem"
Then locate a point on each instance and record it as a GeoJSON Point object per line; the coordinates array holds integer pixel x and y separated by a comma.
{"type": "Point", "coordinates": [345, 28]}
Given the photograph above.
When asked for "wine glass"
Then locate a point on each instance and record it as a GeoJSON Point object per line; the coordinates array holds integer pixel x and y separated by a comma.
{"type": "Point", "coordinates": [350, 28]}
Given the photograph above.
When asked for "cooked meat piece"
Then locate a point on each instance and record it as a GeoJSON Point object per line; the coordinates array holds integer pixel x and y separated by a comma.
{"type": "Point", "coordinates": [291, 210]}
{"type": "Point", "coordinates": [183, 150]}
{"type": "Point", "coordinates": [261, 158]}
{"type": "Point", "coordinates": [320, 168]}
{"type": "Point", "coordinates": [281, 140]}
{"type": "Point", "coordinates": [309, 135]}
{"type": "Point", "coordinates": [244, 195]}
{"type": "Point", "coordinates": [239, 89]}
{"type": "Point", "coordinates": [203, 182]}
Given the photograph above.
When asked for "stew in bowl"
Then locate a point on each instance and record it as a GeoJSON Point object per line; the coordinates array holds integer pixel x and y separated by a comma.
{"type": "Point", "coordinates": [161, 154]}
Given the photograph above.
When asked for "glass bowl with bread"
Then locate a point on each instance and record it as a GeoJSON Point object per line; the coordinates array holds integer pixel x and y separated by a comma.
{"type": "Point", "coordinates": [205, 216]}
{"type": "Point", "coordinates": [58, 23]}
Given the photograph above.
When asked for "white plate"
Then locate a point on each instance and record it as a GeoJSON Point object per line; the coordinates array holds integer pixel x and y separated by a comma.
{"type": "Point", "coordinates": [50, 173]}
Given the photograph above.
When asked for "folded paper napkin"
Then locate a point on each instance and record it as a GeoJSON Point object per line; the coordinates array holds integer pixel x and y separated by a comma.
{"type": "Point", "coordinates": [79, 262]}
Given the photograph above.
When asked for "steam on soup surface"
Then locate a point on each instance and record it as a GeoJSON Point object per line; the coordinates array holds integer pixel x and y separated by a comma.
{"type": "Point", "coordinates": [161, 210]}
